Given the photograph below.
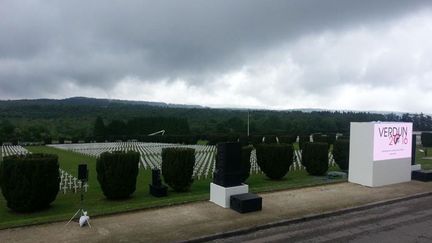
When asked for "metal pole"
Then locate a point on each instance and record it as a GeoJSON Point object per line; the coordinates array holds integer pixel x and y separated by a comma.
{"type": "Point", "coordinates": [248, 124]}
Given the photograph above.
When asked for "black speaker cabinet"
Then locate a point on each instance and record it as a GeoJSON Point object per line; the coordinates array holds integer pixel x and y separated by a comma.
{"type": "Point", "coordinates": [421, 175]}
{"type": "Point", "coordinates": [228, 159]}
{"type": "Point", "coordinates": [228, 180]}
{"type": "Point", "coordinates": [82, 172]}
{"type": "Point", "coordinates": [158, 191]}
{"type": "Point", "coordinates": [228, 170]}
{"type": "Point", "coordinates": [245, 203]}
{"type": "Point", "coordinates": [156, 179]}
{"type": "Point", "coordinates": [413, 149]}
{"type": "Point", "coordinates": [156, 188]}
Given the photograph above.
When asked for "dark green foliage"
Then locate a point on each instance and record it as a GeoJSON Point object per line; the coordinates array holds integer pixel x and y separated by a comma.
{"type": "Point", "coordinates": [270, 139]}
{"type": "Point", "coordinates": [341, 153]}
{"type": "Point", "coordinates": [288, 139]}
{"type": "Point", "coordinates": [426, 139]}
{"type": "Point", "coordinates": [117, 173]}
{"type": "Point", "coordinates": [245, 161]}
{"type": "Point", "coordinates": [215, 139]}
{"type": "Point", "coordinates": [177, 167]}
{"type": "Point", "coordinates": [32, 120]}
{"type": "Point", "coordinates": [99, 130]}
{"type": "Point", "coordinates": [331, 138]}
{"type": "Point", "coordinates": [344, 137]}
{"type": "Point", "coordinates": [315, 158]}
{"type": "Point", "coordinates": [244, 140]}
{"type": "Point", "coordinates": [275, 159]}
{"type": "Point", "coordinates": [30, 182]}
{"type": "Point", "coordinates": [256, 139]}
{"type": "Point", "coordinates": [303, 139]}
{"type": "Point", "coordinates": [321, 138]}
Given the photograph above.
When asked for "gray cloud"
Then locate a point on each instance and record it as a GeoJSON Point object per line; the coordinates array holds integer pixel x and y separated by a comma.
{"type": "Point", "coordinates": [96, 44]}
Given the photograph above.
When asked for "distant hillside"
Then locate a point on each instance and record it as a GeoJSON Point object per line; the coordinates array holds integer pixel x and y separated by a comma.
{"type": "Point", "coordinates": [79, 101]}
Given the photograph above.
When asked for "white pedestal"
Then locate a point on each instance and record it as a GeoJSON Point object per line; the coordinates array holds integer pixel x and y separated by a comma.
{"type": "Point", "coordinates": [221, 195]}
{"type": "Point", "coordinates": [374, 159]}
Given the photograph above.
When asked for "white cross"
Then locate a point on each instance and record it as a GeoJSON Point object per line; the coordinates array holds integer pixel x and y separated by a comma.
{"type": "Point", "coordinates": [85, 187]}
{"type": "Point", "coordinates": [75, 185]}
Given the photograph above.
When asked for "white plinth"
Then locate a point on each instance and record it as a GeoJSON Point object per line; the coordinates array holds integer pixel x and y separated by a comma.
{"type": "Point", "coordinates": [370, 163]}
{"type": "Point", "coordinates": [221, 195]}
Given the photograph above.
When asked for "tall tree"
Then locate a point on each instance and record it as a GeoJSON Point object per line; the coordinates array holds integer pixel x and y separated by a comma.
{"type": "Point", "coordinates": [99, 128]}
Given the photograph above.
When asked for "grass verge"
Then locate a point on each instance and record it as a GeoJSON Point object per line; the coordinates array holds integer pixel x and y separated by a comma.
{"type": "Point", "coordinates": [66, 205]}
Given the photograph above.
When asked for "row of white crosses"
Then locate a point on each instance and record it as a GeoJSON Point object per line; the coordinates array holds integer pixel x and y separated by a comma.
{"type": "Point", "coordinates": [151, 155]}
{"type": "Point", "coordinates": [7, 150]}
{"type": "Point", "coordinates": [69, 182]}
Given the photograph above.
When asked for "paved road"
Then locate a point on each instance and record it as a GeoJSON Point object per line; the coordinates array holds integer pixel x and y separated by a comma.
{"type": "Point", "coordinates": [407, 221]}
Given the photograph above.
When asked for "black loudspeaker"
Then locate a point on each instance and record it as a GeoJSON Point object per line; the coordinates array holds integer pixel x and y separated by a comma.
{"type": "Point", "coordinates": [228, 158]}
{"type": "Point", "coordinates": [245, 203]}
{"type": "Point", "coordinates": [82, 172]}
{"type": "Point", "coordinates": [421, 175]}
{"type": "Point", "coordinates": [228, 170]}
{"type": "Point", "coordinates": [156, 180]}
{"type": "Point", "coordinates": [156, 188]}
{"type": "Point", "coordinates": [413, 149]}
{"type": "Point", "coordinates": [227, 180]}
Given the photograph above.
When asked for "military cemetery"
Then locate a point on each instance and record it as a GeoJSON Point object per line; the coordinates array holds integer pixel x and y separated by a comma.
{"type": "Point", "coordinates": [215, 121]}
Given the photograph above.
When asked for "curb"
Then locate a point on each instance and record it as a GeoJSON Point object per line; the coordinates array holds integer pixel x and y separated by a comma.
{"type": "Point", "coordinates": [306, 218]}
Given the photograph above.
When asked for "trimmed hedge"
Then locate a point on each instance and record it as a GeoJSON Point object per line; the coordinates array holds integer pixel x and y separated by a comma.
{"type": "Point", "coordinates": [321, 138]}
{"type": "Point", "coordinates": [29, 182]}
{"type": "Point", "coordinates": [426, 139]}
{"type": "Point", "coordinates": [270, 139]}
{"type": "Point", "coordinates": [256, 139]}
{"type": "Point", "coordinates": [117, 173]}
{"type": "Point", "coordinates": [177, 168]}
{"type": "Point", "coordinates": [315, 158]}
{"type": "Point", "coordinates": [288, 139]}
{"type": "Point", "coordinates": [331, 138]}
{"type": "Point", "coordinates": [303, 139]}
{"type": "Point", "coordinates": [275, 159]}
{"type": "Point", "coordinates": [341, 153]}
{"type": "Point", "coordinates": [245, 161]}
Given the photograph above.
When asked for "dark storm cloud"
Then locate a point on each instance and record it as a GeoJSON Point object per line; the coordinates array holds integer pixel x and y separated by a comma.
{"type": "Point", "coordinates": [95, 44]}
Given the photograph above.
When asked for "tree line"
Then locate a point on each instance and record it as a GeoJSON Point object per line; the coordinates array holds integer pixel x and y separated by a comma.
{"type": "Point", "coordinates": [33, 122]}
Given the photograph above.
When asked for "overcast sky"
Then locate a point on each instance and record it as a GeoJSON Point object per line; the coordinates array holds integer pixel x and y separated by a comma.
{"type": "Point", "coordinates": [331, 54]}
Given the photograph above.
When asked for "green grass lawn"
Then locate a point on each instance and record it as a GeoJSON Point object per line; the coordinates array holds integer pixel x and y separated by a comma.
{"type": "Point", "coordinates": [426, 164]}
{"type": "Point", "coordinates": [67, 204]}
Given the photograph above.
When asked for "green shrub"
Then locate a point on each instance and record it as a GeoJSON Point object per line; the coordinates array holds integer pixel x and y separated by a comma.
{"type": "Point", "coordinates": [322, 138]}
{"type": "Point", "coordinates": [303, 139]}
{"type": "Point", "coordinates": [177, 167]}
{"type": "Point", "coordinates": [245, 161]}
{"type": "Point", "coordinates": [244, 140]}
{"type": "Point", "coordinates": [315, 158]}
{"type": "Point", "coordinates": [29, 182]}
{"type": "Point", "coordinates": [288, 139]}
{"type": "Point", "coordinates": [275, 159]}
{"type": "Point", "coordinates": [426, 139]}
{"type": "Point", "coordinates": [117, 173]}
{"type": "Point", "coordinates": [270, 139]}
{"type": "Point", "coordinates": [256, 139]}
{"type": "Point", "coordinates": [341, 153]}
{"type": "Point", "coordinates": [331, 138]}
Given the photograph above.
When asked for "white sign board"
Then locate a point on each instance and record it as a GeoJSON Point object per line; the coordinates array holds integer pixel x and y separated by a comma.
{"type": "Point", "coordinates": [380, 153]}
{"type": "Point", "coordinates": [392, 141]}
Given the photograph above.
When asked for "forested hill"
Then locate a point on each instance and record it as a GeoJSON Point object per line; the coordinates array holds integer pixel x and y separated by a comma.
{"type": "Point", "coordinates": [33, 120]}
